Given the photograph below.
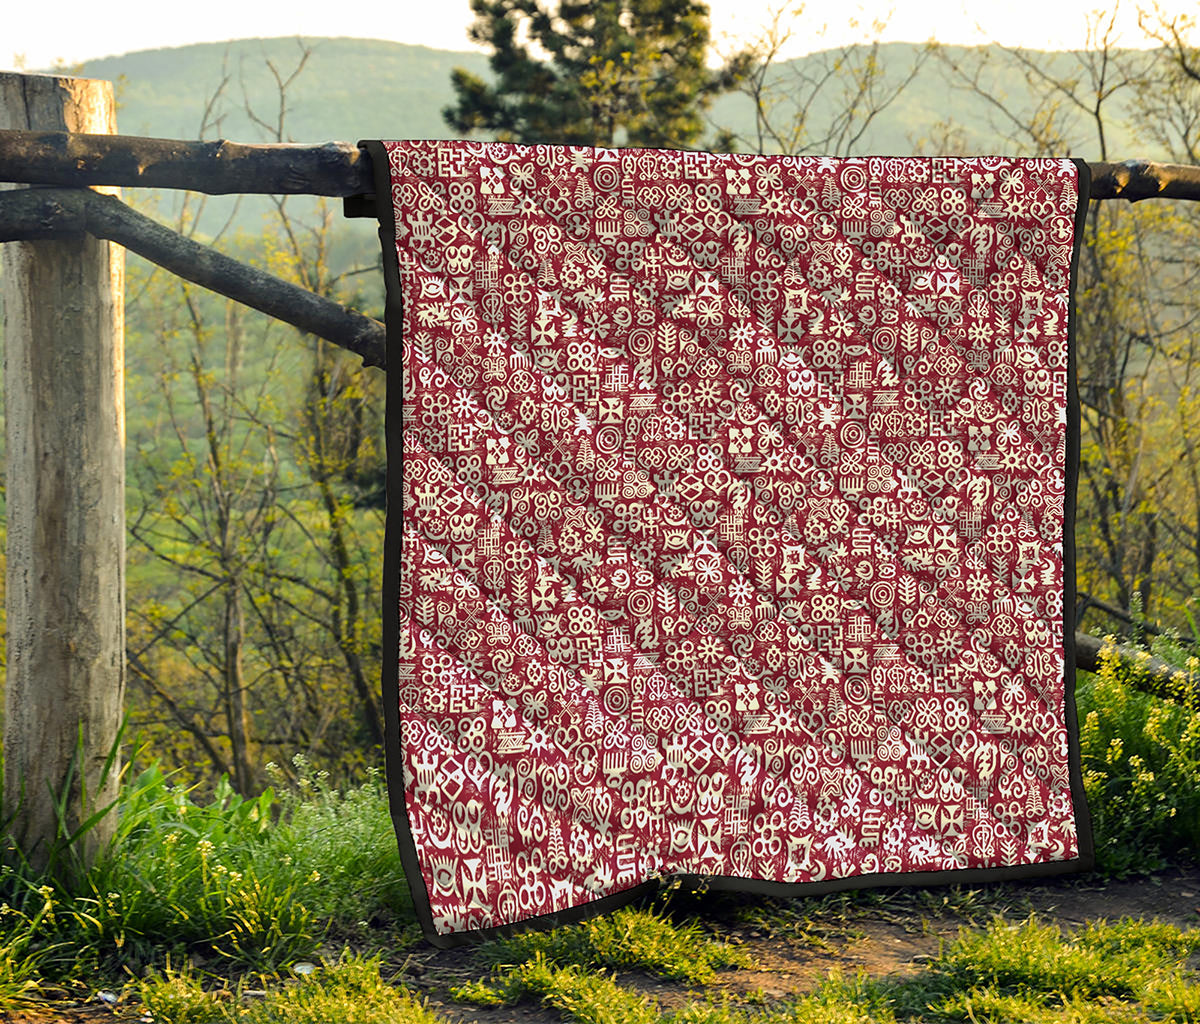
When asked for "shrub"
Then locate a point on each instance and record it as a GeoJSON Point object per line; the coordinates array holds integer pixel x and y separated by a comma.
{"type": "Point", "coordinates": [257, 881]}
{"type": "Point", "coordinates": [1141, 769]}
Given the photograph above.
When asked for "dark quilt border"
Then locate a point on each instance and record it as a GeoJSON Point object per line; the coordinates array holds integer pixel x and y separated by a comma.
{"type": "Point", "coordinates": [1083, 817]}
{"type": "Point", "coordinates": [392, 536]}
{"type": "Point", "coordinates": [396, 782]}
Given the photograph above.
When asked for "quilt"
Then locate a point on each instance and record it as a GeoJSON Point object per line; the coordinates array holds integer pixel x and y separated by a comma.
{"type": "Point", "coordinates": [730, 512]}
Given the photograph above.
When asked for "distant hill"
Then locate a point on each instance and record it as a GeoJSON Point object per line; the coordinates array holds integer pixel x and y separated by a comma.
{"type": "Point", "coordinates": [350, 88]}
{"type": "Point", "coordinates": [361, 88]}
{"type": "Point", "coordinates": [368, 88]}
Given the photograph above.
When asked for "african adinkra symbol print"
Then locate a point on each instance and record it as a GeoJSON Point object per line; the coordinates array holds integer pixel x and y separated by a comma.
{"type": "Point", "coordinates": [735, 491]}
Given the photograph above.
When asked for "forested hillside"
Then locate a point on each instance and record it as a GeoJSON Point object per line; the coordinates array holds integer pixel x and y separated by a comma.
{"type": "Point", "coordinates": [369, 88]}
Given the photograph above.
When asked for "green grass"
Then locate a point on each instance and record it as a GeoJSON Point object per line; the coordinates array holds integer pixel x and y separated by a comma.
{"type": "Point", "coordinates": [244, 887]}
{"type": "Point", "coordinates": [1130, 970]}
{"type": "Point", "coordinates": [1119, 960]}
{"type": "Point", "coordinates": [253, 883]}
{"type": "Point", "coordinates": [582, 995]}
{"type": "Point", "coordinates": [629, 939]}
{"type": "Point", "coordinates": [25, 946]}
{"type": "Point", "coordinates": [1027, 971]}
{"type": "Point", "coordinates": [346, 836]}
{"type": "Point", "coordinates": [349, 991]}
{"type": "Point", "coordinates": [568, 968]}
{"type": "Point", "coordinates": [193, 876]}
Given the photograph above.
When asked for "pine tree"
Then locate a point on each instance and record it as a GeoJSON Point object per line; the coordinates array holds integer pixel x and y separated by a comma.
{"type": "Point", "coordinates": [620, 72]}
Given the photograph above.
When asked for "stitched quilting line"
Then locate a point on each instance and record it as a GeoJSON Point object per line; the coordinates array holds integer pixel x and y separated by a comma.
{"type": "Point", "coordinates": [829, 307]}
{"type": "Point", "coordinates": [917, 743]}
{"type": "Point", "coordinates": [421, 812]}
{"type": "Point", "coordinates": [938, 334]}
{"type": "Point", "coordinates": [559, 576]}
{"type": "Point", "coordinates": [741, 574]}
{"type": "Point", "coordinates": [902, 217]}
{"type": "Point", "coordinates": [964, 460]}
{"type": "Point", "coordinates": [682, 863]}
{"type": "Point", "coordinates": [733, 737]}
{"type": "Point", "coordinates": [997, 582]}
{"type": "Point", "coordinates": [1000, 659]}
{"type": "Point", "coordinates": [556, 755]}
{"type": "Point", "coordinates": [865, 263]}
{"type": "Point", "coordinates": [598, 511]}
{"type": "Point", "coordinates": [617, 274]}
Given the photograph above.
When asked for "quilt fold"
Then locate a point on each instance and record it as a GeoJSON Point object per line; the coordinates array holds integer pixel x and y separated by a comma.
{"type": "Point", "coordinates": [730, 517]}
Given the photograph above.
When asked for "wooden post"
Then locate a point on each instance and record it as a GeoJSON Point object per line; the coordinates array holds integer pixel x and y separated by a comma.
{"type": "Point", "coordinates": [64, 394]}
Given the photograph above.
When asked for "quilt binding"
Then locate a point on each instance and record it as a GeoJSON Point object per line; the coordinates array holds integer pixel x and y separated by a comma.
{"type": "Point", "coordinates": [393, 530]}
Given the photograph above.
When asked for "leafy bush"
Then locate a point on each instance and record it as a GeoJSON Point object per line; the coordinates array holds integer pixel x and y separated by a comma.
{"type": "Point", "coordinates": [258, 882]}
{"type": "Point", "coordinates": [1141, 767]}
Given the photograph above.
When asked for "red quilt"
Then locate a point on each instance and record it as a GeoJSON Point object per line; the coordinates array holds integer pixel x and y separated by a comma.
{"type": "Point", "coordinates": [730, 517]}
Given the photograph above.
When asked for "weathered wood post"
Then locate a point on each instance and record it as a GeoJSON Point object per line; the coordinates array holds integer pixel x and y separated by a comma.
{"type": "Point", "coordinates": [64, 395]}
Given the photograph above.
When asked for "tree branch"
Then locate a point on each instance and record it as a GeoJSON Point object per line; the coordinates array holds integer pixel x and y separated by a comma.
{"type": "Point", "coordinates": [1139, 669]}
{"type": "Point", "coordinates": [1135, 180]}
{"type": "Point", "coordinates": [27, 214]}
{"type": "Point", "coordinates": [216, 168]}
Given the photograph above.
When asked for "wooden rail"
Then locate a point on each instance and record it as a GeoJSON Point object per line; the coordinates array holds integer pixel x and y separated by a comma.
{"type": "Point", "coordinates": [343, 169]}
{"type": "Point", "coordinates": [34, 213]}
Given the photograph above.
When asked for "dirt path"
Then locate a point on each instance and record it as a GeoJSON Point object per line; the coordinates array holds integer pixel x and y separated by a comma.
{"type": "Point", "coordinates": [793, 951]}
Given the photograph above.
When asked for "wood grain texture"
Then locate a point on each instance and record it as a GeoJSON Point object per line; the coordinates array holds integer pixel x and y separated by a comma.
{"type": "Point", "coordinates": [65, 436]}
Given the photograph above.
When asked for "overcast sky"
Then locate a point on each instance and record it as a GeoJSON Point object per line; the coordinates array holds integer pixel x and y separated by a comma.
{"type": "Point", "coordinates": [38, 34]}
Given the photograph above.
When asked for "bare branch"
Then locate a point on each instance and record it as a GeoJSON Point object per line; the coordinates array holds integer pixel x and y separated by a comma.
{"type": "Point", "coordinates": [46, 213]}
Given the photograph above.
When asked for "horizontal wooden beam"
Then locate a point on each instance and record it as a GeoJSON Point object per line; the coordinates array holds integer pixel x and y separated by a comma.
{"type": "Point", "coordinates": [36, 213]}
{"type": "Point", "coordinates": [217, 168]}
{"type": "Point", "coordinates": [41, 213]}
{"type": "Point", "coordinates": [1135, 180]}
{"type": "Point", "coordinates": [342, 169]}
{"type": "Point", "coordinates": [1139, 669]}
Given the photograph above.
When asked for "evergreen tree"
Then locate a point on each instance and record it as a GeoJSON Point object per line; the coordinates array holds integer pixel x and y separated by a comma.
{"type": "Point", "coordinates": [618, 72]}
